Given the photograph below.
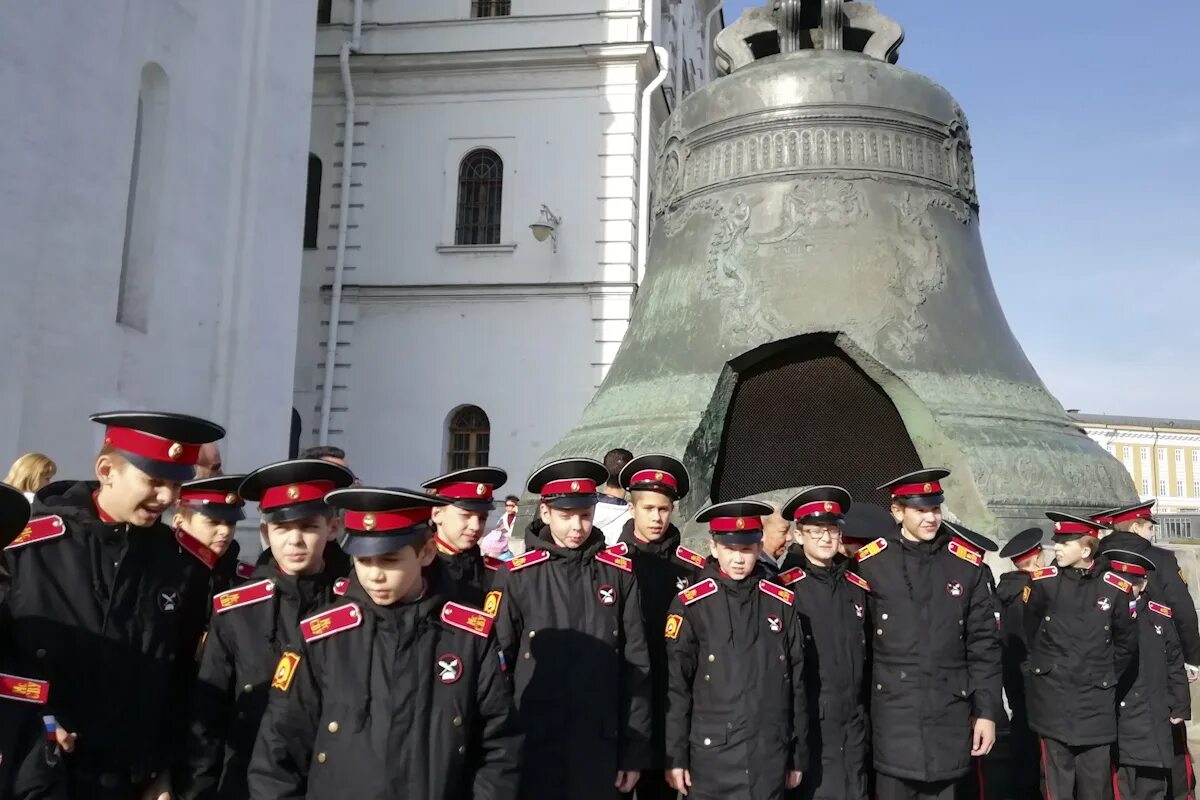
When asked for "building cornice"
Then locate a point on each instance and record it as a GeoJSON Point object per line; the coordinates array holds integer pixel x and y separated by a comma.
{"type": "Point", "coordinates": [578, 56]}
{"type": "Point", "coordinates": [410, 293]}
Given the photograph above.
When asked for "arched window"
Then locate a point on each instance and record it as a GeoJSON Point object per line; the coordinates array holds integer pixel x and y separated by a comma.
{"type": "Point", "coordinates": [480, 184]}
{"type": "Point", "coordinates": [312, 203]}
{"type": "Point", "coordinates": [470, 435]}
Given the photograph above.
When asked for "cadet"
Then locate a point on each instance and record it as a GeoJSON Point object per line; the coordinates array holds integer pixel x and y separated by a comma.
{"type": "Point", "coordinates": [99, 606]}
{"type": "Point", "coordinates": [570, 623]}
{"type": "Point", "coordinates": [1025, 753]}
{"type": "Point", "coordinates": [1081, 640]}
{"type": "Point", "coordinates": [257, 621]}
{"type": "Point", "coordinates": [831, 603]}
{"type": "Point", "coordinates": [395, 692]}
{"type": "Point", "coordinates": [459, 527]}
{"type": "Point", "coordinates": [663, 568]}
{"type": "Point", "coordinates": [1153, 696]}
{"type": "Point", "coordinates": [936, 655]}
{"type": "Point", "coordinates": [1135, 531]}
{"type": "Point", "coordinates": [209, 510]}
{"type": "Point", "coordinates": [737, 722]}
{"type": "Point", "coordinates": [861, 525]}
{"type": "Point", "coordinates": [30, 759]}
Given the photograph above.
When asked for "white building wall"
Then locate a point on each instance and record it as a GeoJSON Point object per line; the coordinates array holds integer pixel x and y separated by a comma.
{"type": "Point", "coordinates": [224, 224]}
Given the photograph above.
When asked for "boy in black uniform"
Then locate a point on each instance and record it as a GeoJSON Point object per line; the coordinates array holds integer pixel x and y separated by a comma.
{"type": "Point", "coordinates": [831, 602]}
{"type": "Point", "coordinates": [100, 606]}
{"type": "Point", "coordinates": [1153, 695]}
{"type": "Point", "coordinates": [459, 526]}
{"type": "Point", "coordinates": [30, 759]}
{"type": "Point", "coordinates": [255, 622]}
{"type": "Point", "coordinates": [570, 624]}
{"type": "Point", "coordinates": [1081, 639]}
{"type": "Point", "coordinates": [395, 692]}
{"type": "Point", "coordinates": [935, 652]}
{"type": "Point", "coordinates": [204, 521]}
{"type": "Point", "coordinates": [663, 568]}
{"type": "Point", "coordinates": [737, 722]}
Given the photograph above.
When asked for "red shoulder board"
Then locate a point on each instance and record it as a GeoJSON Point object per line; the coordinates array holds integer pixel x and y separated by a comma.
{"type": "Point", "coordinates": [776, 591]}
{"type": "Point", "coordinates": [340, 586]}
{"type": "Point", "coordinates": [1046, 572]}
{"type": "Point", "coordinates": [1116, 580]}
{"type": "Point", "coordinates": [702, 589]}
{"type": "Point", "coordinates": [244, 570]}
{"type": "Point", "coordinates": [468, 619]}
{"type": "Point", "coordinates": [874, 548]}
{"type": "Point", "coordinates": [966, 553]}
{"type": "Point", "coordinates": [858, 581]}
{"type": "Point", "coordinates": [492, 563]}
{"type": "Point", "coordinates": [27, 690]}
{"type": "Point", "coordinates": [327, 623]}
{"type": "Point", "coordinates": [793, 575]}
{"type": "Point", "coordinates": [528, 560]}
{"type": "Point", "coordinates": [614, 560]}
{"type": "Point", "coordinates": [1159, 608]}
{"type": "Point", "coordinates": [39, 530]}
{"type": "Point", "coordinates": [690, 556]}
{"type": "Point", "coordinates": [197, 548]}
{"type": "Point", "coordinates": [246, 595]}
{"type": "Point", "coordinates": [618, 549]}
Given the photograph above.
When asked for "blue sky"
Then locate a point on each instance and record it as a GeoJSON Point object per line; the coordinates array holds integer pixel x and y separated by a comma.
{"type": "Point", "coordinates": [1085, 120]}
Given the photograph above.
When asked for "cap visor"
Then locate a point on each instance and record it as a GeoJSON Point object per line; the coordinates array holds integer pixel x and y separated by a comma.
{"type": "Point", "coordinates": [297, 512]}
{"type": "Point", "coordinates": [162, 470]}
{"type": "Point", "coordinates": [219, 513]}
{"type": "Point", "coordinates": [367, 545]}
{"type": "Point", "coordinates": [475, 505]}
{"type": "Point", "coordinates": [569, 502]}
{"type": "Point", "coordinates": [820, 519]}
{"type": "Point", "coordinates": [922, 501]}
{"type": "Point", "coordinates": [744, 537]}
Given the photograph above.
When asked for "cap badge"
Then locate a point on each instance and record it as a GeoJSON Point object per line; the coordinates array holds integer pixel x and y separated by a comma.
{"type": "Point", "coordinates": [231, 499]}
{"type": "Point", "coordinates": [574, 486]}
{"type": "Point", "coordinates": [369, 521]}
{"type": "Point", "coordinates": [480, 489]}
{"type": "Point", "coordinates": [927, 488]}
{"type": "Point", "coordinates": [1058, 526]}
{"type": "Point", "coordinates": [293, 492]}
{"type": "Point", "coordinates": [828, 506]}
{"type": "Point", "coordinates": [658, 476]}
{"type": "Point", "coordinates": [175, 451]}
{"type": "Point", "coordinates": [741, 523]}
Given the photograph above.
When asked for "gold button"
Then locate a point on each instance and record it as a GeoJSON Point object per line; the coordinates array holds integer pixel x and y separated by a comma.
{"type": "Point", "coordinates": [457, 722]}
{"type": "Point", "coordinates": [960, 622]}
{"type": "Point", "coordinates": [879, 686]}
{"type": "Point", "coordinates": [41, 653]}
{"type": "Point", "coordinates": [531, 633]}
{"type": "Point", "coordinates": [879, 631]}
{"type": "Point", "coordinates": [1047, 619]}
{"type": "Point", "coordinates": [711, 657]}
{"type": "Point", "coordinates": [708, 677]}
{"type": "Point", "coordinates": [248, 688]}
{"type": "Point", "coordinates": [707, 741]}
{"type": "Point", "coordinates": [616, 633]}
{"type": "Point", "coordinates": [333, 727]}
{"type": "Point", "coordinates": [320, 758]}
{"type": "Point", "coordinates": [1037, 670]}
{"type": "Point", "coordinates": [527, 655]}
{"type": "Point", "coordinates": [1105, 627]}
{"type": "Point", "coordinates": [781, 656]}
{"type": "Point", "coordinates": [462, 748]}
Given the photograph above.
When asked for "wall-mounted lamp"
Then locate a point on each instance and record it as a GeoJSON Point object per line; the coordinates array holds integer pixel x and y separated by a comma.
{"type": "Point", "coordinates": [546, 227]}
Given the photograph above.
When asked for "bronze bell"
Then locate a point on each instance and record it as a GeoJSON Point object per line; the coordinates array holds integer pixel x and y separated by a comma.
{"type": "Point", "coordinates": [817, 306]}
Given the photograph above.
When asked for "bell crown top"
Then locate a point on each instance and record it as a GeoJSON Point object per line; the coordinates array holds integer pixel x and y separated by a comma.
{"type": "Point", "coordinates": [788, 26]}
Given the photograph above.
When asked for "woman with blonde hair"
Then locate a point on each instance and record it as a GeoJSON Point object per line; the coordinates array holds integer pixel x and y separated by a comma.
{"type": "Point", "coordinates": [31, 472]}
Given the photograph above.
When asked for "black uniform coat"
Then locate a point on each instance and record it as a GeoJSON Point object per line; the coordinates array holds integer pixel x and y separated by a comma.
{"type": "Point", "coordinates": [467, 575]}
{"type": "Point", "coordinates": [1152, 691]}
{"type": "Point", "coordinates": [1014, 650]}
{"type": "Point", "coordinates": [736, 711]}
{"type": "Point", "coordinates": [832, 611]}
{"type": "Point", "coordinates": [936, 656]}
{"type": "Point", "coordinates": [402, 706]}
{"type": "Point", "coordinates": [661, 574]}
{"type": "Point", "coordinates": [102, 613]}
{"type": "Point", "coordinates": [1166, 585]}
{"type": "Point", "coordinates": [238, 660]}
{"type": "Point", "coordinates": [570, 626]}
{"type": "Point", "coordinates": [30, 766]}
{"type": "Point", "coordinates": [1082, 638]}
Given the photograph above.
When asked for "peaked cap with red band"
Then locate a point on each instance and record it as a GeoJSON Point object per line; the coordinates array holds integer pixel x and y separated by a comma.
{"type": "Point", "coordinates": [293, 490]}
{"type": "Point", "coordinates": [382, 521]}
{"type": "Point", "coordinates": [162, 445]}
{"type": "Point", "coordinates": [1025, 544]}
{"type": "Point", "coordinates": [818, 504]}
{"type": "Point", "coordinates": [471, 489]}
{"type": "Point", "coordinates": [1105, 517]}
{"type": "Point", "coordinates": [1069, 525]}
{"type": "Point", "coordinates": [1128, 562]}
{"type": "Point", "coordinates": [1127, 513]}
{"type": "Point", "coordinates": [866, 522]}
{"type": "Point", "coordinates": [918, 489]}
{"type": "Point", "coordinates": [972, 539]}
{"type": "Point", "coordinates": [216, 498]}
{"type": "Point", "coordinates": [736, 521]}
{"type": "Point", "coordinates": [14, 514]}
{"type": "Point", "coordinates": [568, 483]}
{"type": "Point", "coordinates": [659, 473]}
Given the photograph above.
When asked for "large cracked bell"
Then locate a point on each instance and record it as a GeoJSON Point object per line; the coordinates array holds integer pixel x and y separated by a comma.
{"type": "Point", "coordinates": [817, 306]}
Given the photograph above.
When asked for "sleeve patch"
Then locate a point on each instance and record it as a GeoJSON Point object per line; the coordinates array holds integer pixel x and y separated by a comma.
{"type": "Point", "coordinates": [491, 603]}
{"type": "Point", "coordinates": [285, 670]}
{"type": "Point", "coordinates": [1028, 590]}
{"type": "Point", "coordinates": [674, 625]}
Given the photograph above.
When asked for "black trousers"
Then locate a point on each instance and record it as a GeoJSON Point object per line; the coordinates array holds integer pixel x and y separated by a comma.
{"type": "Point", "coordinates": [1076, 773]}
{"type": "Point", "coordinates": [891, 788]}
{"type": "Point", "coordinates": [1142, 783]}
{"type": "Point", "coordinates": [1183, 780]}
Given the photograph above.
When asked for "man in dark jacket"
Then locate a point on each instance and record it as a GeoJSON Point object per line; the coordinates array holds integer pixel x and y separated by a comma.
{"type": "Point", "coordinates": [737, 722]}
{"type": "Point", "coordinates": [100, 606]}
{"type": "Point", "coordinates": [831, 602]}
{"type": "Point", "coordinates": [1153, 695]}
{"type": "Point", "coordinates": [458, 527]}
{"type": "Point", "coordinates": [663, 568]}
{"type": "Point", "coordinates": [395, 692]}
{"type": "Point", "coordinates": [1134, 530]}
{"type": "Point", "coordinates": [30, 760]}
{"type": "Point", "coordinates": [255, 622]}
{"type": "Point", "coordinates": [1081, 639]}
{"type": "Point", "coordinates": [570, 624]}
{"type": "Point", "coordinates": [936, 655]}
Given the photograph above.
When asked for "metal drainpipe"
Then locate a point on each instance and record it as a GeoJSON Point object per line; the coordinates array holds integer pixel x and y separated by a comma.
{"type": "Point", "coordinates": [335, 300]}
{"type": "Point", "coordinates": [646, 131]}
